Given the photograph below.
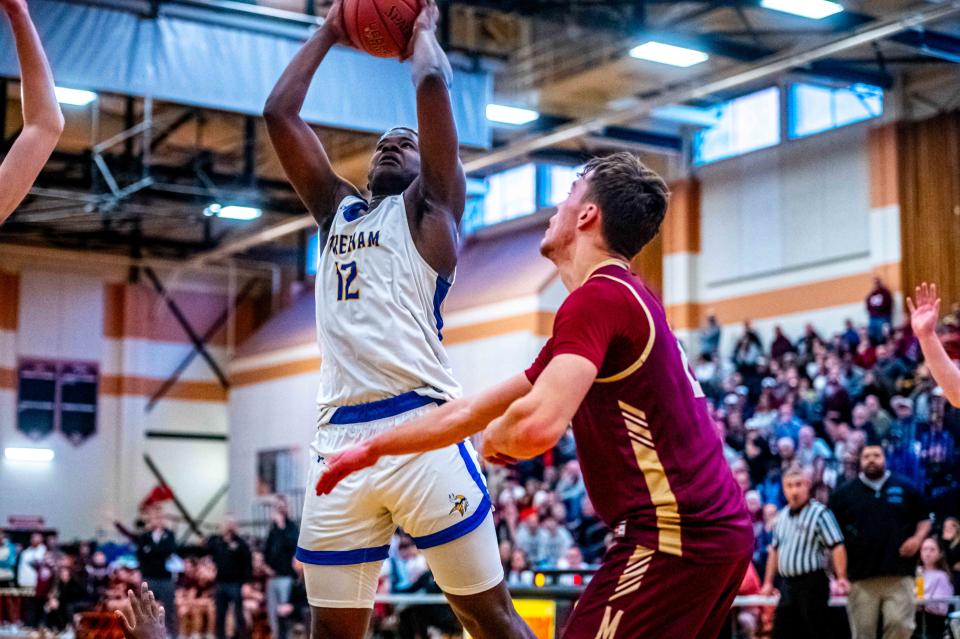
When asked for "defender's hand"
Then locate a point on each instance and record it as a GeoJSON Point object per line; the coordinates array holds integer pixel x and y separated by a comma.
{"type": "Point", "coordinates": [925, 314]}
{"type": "Point", "coordinates": [343, 464]}
{"type": "Point", "coordinates": [146, 621]}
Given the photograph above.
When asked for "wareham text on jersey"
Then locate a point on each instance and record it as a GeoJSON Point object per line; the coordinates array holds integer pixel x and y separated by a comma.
{"type": "Point", "coordinates": [341, 244]}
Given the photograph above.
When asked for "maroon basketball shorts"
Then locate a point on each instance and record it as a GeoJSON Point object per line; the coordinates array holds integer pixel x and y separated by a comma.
{"type": "Point", "coordinates": [640, 593]}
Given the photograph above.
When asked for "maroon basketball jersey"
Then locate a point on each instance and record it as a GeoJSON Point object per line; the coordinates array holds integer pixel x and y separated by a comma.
{"type": "Point", "coordinates": [651, 457]}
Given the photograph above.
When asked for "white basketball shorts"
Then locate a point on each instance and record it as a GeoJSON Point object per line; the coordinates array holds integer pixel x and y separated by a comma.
{"type": "Point", "coordinates": [439, 498]}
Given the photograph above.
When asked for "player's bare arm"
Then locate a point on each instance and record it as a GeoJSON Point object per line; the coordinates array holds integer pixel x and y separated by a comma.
{"type": "Point", "coordinates": [42, 118]}
{"type": "Point", "coordinates": [145, 620]}
{"type": "Point", "coordinates": [924, 316]}
{"type": "Point", "coordinates": [435, 201]}
{"type": "Point", "coordinates": [301, 153]}
{"type": "Point", "coordinates": [535, 423]}
{"type": "Point", "coordinates": [448, 425]}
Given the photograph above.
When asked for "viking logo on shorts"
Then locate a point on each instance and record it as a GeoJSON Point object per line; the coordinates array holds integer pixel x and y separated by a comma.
{"type": "Point", "coordinates": [460, 504]}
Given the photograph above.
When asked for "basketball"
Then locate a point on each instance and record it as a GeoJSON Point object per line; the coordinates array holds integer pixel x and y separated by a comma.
{"type": "Point", "coordinates": [380, 27]}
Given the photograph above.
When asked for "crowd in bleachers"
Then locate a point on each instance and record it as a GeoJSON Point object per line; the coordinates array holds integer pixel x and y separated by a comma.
{"type": "Point", "coordinates": [810, 401]}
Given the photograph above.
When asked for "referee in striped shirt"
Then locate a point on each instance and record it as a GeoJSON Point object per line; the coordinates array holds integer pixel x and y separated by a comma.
{"type": "Point", "coordinates": [804, 530]}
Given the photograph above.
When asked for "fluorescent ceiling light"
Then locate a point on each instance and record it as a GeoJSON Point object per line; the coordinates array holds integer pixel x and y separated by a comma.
{"type": "Point", "coordinates": [813, 9]}
{"type": "Point", "coordinates": [28, 454]}
{"type": "Point", "coordinates": [233, 212]}
{"type": "Point", "coordinates": [74, 97]}
{"type": "Point", "coordinates": [668, 54]}
{"type": "Point", "coordinates": [510, 115]}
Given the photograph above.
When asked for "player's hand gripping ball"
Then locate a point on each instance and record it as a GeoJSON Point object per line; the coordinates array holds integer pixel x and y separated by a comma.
{"type": "Point", "coordinates": [382, 28]}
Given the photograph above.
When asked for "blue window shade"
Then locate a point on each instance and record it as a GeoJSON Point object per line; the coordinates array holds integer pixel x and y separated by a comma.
{"type": "Point", "coordinates": [745, 124]}
{"type": "Point", "coordinates": [816, 108]}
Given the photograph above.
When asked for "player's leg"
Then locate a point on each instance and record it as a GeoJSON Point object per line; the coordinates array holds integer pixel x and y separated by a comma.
{"type": "Point", "coordinates": [343, 541]}
{"type": "Point", "coordinates": [468, 571]}
{"type": "Point", "coordinates": [724, 594]}
{"type": "Point", "coordinates": [441, 500]}
{"type": "Point", "coordinates": [640, 592]}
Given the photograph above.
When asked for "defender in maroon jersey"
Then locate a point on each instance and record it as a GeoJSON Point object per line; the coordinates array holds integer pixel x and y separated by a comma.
{"type": "Point", "coordinates": [652, 461]}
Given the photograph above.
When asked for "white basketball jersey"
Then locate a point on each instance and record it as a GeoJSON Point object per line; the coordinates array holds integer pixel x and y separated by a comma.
{"type": "Point", "coordinates": [378, 311]}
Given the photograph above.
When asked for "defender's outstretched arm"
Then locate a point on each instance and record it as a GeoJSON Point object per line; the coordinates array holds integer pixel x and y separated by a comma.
{"type": "Point", "coordinates": [42, 118]}
{"type": "Point", "coordinates": [924, 315]}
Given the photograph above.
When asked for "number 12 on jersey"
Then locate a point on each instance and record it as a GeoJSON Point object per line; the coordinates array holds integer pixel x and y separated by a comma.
{"type": "Point", "coordinates": [346, 273]}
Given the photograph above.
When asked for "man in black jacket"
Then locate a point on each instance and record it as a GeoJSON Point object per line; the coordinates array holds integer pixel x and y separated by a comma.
{"type": "Point", "coordinates": [884, 521]}
{"type": "Point", "coordinates": [234, 562]}
{"type": "Point", "coordinates": [278, 552]}
{"type": "Point", "coordinates": [154, 548]}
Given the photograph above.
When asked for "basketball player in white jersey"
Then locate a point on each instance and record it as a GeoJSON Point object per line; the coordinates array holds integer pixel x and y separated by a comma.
{"type": "Point", "coordinates": [42, 119]}
{"type": "Point", "coordinates": [384, 269]}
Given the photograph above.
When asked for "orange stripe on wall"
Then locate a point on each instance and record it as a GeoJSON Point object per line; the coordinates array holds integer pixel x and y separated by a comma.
{"type": "Point", "coordinates": [9, 301]}
{"type": "Point", "coordinates": [681, 226]}
{"type": "Point", "coordinates": [8, 378]}
{"type": "Point", "coordinates": [538, 323]}
{"type": "Point", "coordinates": [884, 179]}
{"type": "Point", "coordinates": [785, 301]}
{"type": "Point", "coordinates": [146, 387]}
{"type": "Point", "coordinates": [277, 371]}
{"type": "Point", "coordinates": [117, 385]}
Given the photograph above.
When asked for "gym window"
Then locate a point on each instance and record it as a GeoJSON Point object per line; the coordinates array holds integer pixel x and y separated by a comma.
{"type": "Point", "coordinates": [815, 108]}
{"type": "Point", "coordinates": [748, 123]}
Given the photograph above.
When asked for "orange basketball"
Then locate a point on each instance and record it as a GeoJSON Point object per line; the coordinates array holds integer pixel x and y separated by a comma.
{"type": "Point", "coordinates": [380, 27]}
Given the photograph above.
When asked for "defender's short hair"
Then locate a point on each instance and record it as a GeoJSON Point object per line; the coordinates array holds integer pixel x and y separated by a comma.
{"type": "Point", "coordinates": [632, 197]}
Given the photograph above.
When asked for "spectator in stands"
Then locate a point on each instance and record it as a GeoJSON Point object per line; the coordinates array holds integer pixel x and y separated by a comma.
{"type": "Point", "coordinates": [878, 416]}
{"type": "Point", "coordinates": [710, 337]}
{"type": "Point", "coordinates": [30, 559]}
{"type": "Point", "coordinates": [571, 490]}
{"type": "Point", "coordinates": [936, 584]}
{"type": "Point", "coordinates": [950, 544]}
{"type": "Point", "coordinates": [850, 336]}
{"type": "Point", "coordinates": [804, 531]}
{"type": "Point", "coordinates": [234, 563]}
{"type": "Point", "coordinates": [67, 597]}
{"type": "Point", "coordinates": [278, 551]}
{"type": "Point", "coordinates": [748, 352]}
{"type": "Point", "coordinates": [787, 424]}
{"type": "Point", "coordinates": [555, 541]}
{"type": "Point", "coordinates": [810, 447]}
{"type": "Point", "coordinates": [155, 546]}
{"type": "Point", "coordinates": [529, 539]}
{"type": "Point", "coordinates": [884, 520]}
{"type": "Point", "coordinates": [880, 310]}
{"type": "Point", "coordinates": [296, 611]}
{"type": "Point", "coordinates": [519, 573]}
{"type": "Point", "coordinates": [9, 605]}
{"type": "Point", "coordinates": [781, 344]}
{"type": "Point", "coordinates": [590, 533]}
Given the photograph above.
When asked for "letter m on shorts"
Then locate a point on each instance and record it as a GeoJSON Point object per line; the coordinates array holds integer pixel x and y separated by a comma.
{"type": "Point", "coordinates": [608, 629]}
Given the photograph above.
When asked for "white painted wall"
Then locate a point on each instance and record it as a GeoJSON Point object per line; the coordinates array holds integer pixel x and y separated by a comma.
{"type": "Point", "coordinates": [796, 204]}
{"type": "Point", "coordinates": [88, 486]}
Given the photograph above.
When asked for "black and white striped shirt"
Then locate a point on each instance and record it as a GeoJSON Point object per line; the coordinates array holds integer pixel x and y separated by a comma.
{"type": "Point", "coordinates": [801, 538]}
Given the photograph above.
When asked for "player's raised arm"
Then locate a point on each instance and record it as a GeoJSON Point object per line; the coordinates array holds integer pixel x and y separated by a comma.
{"type": "Point", "coordinates": [450, 424]}
{"type": "Point", "coordinates": [42, 119]}
{"type": "Point", "coordinates": [301, 154]}
{"type": "Point", "coordinates": [924, 315]}
{"type": "Point", "coordinates": [440, 192]}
